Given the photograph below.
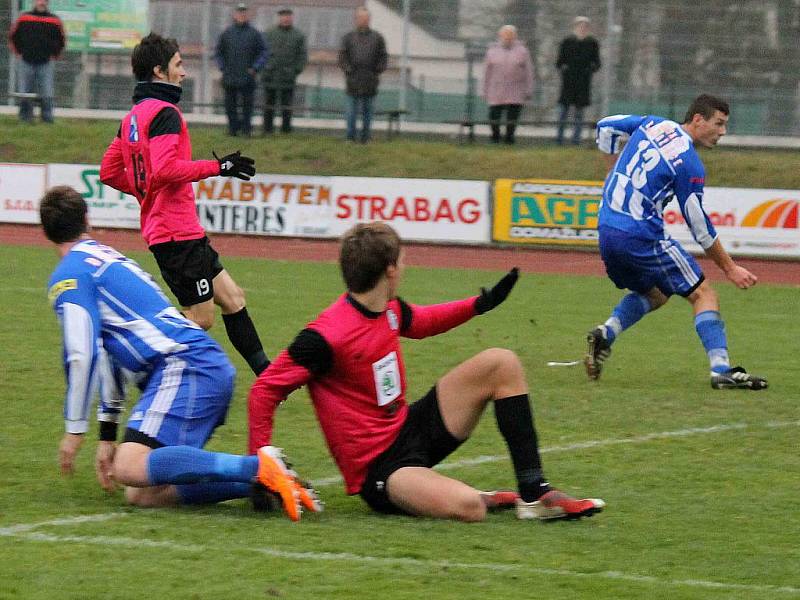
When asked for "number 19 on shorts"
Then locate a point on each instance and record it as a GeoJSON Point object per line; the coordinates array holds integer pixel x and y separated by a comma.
{"type": "Point", "coordinates": [203, 287]}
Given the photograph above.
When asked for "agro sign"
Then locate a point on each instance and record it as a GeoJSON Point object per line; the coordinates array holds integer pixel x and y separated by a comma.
{"type": "Point", "coordinates": [531, 211]}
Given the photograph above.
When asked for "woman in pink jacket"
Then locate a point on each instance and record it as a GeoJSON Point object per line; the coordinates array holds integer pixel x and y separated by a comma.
{"type": "Point", "coordinates": [507, 82]}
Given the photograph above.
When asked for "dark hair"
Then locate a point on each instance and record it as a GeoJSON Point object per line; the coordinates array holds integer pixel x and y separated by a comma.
{"type": "Point", "coordinates": [62, 211]}
{"type": "Point", "coordinates": [706, 105]}
{"type": "Point", "coordinates": [153, 51]}
{"type": "Point", "coordinates": [367, 250]}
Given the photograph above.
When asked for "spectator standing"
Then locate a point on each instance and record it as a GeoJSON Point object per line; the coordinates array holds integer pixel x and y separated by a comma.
{"type": "Point", "coordinates": [508, 81]}
{"type": "Point", "coordinates": [578, 60]}
{"type": "Point", "coordinates": [240, 54]}
{"type": "Point", "coordinates": [37, 37]}
{"type": "Point", "coordinates": [288, 57]}
{"type": "Point", "coordinates": [363, 58]}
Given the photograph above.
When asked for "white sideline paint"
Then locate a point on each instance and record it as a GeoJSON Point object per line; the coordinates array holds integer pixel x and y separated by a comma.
{"type": "Point", "coordinates": [348, 557]}
{"type": "Point", "coordinates": [26, 527]}
{"type": "Point", "coordinates": [662, 435]}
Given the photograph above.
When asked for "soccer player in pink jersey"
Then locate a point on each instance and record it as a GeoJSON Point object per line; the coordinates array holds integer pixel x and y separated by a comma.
{"type": "Point", "coordinates": [151, 159]}
{"type": "Point", "coordinates": [351, 360]}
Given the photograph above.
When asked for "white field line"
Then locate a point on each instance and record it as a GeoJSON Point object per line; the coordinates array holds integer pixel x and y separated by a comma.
{"type": "Point", "coordinates": [641, 439]}
{"type": "Point", "coordinates": [415, 563]}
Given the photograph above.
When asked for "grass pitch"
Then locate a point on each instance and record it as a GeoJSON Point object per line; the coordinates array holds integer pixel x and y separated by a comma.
{"type": "Point", "coordinates": [701, 485]}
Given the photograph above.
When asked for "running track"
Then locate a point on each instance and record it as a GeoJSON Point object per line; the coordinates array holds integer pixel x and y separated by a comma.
{"type": "Point", "coordinates": [426, 255]}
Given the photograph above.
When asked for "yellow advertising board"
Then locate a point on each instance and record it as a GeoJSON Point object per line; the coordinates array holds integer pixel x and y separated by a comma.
{"type": "Point", "coordinates": [546, 211]}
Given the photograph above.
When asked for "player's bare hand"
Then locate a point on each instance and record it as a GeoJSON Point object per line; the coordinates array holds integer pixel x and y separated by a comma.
{"type": "Point", "coordinates": [741, 277]}
{"type": "Point", "coordinates": [67, 451]}
{"type": "Point", "coordinates": [103, 463]}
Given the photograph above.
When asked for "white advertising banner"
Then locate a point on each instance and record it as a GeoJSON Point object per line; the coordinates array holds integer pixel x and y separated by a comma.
{"type": "Point", "coordinates": [21, 186]}
{"type": "Point", "coordinates": [291, 205]}
{"type": "Point", "coordinates": [419, 209]}
{"type": "Point", "coordinates": [107, 206]}
{"type": "Point", "coordinates": [749, 221]}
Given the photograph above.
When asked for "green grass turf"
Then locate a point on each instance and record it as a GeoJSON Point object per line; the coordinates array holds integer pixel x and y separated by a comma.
{"type": "Point", "coordinates": [84, 141]}
{"type": "Point", "coordinates": [684, 513]}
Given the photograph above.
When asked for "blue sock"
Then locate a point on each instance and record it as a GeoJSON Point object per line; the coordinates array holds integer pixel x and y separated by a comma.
{"type": "Point", "coordinates": [212, 492]}
{"type": "Point", "coordinates": [185, 464]}
{"type": "Point", "coordinates": [628, 312]}
{"type": "Point", "coordinates": [711, 329]}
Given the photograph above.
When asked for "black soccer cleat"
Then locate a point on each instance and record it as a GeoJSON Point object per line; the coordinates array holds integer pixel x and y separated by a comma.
{"type": "Point", "coordinates": [597, 352]}
{"type": "Point", "coordinates": [736, 378]}
{"type": "Point", "coordinates": [263, 499]}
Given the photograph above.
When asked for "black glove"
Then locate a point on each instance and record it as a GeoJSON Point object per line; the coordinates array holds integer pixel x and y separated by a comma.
{"type": "Point", "coordinates": [492, 298]}
{"type": "Point", "coordinates": [236, 165]}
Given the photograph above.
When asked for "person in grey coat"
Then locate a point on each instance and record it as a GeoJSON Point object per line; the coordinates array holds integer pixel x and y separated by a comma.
{"type": "Point", "coordinates": [363, 58]}
{"type": "Point", "coordinates": [578, 60]}
{"type": "Point", "coordinates": [240, 54]}
{"type": "Point", "coordinates": [288, 58]}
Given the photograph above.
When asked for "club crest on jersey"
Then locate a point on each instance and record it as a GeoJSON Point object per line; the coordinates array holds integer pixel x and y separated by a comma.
{"type": "Point", "coordinates": [133, 130]}
{"type": "Point", "coordinates": [393, 322]}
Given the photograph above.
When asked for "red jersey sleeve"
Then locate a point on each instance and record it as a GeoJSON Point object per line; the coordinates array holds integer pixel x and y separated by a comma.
{"type": "Point", "coordinates": [166, 164]}
{"type": "Point", "coordinates": [112, 168]}
{"type": "Point", "coordinates": [167, 168]}
{"type": "Point", "coordinates": [307, 356]}
{"type": "Point", "coordinates": [424, 321]}
{"type": "Point", "coordinates": [271, 388]}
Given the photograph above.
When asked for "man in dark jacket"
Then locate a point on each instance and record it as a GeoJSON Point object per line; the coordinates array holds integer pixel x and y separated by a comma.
{"type": "Point", "coordinates": [578, 60]}
{"type": "Point", "coordinates": [288, 58]}
{"type": "Point", "coordinates": [37, 37]}
{"type": "Point", "coordinates": [362, 58]}
{"type": "Point", "coordinates": [241, 52]}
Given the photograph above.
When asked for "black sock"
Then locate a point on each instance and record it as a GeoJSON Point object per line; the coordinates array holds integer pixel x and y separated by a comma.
{"type": "Point", "coordinates": [515, 421]}
{"type": "Point", "coordinates": [244, 338]}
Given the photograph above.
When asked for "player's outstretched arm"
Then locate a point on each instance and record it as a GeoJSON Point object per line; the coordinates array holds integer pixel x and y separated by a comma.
{"type": "Point", "coordinates": [739, 276]}
{"type": "Point", "coordinates": [112, 168]}
{"type": "Point", "coordinates": [425, 321]}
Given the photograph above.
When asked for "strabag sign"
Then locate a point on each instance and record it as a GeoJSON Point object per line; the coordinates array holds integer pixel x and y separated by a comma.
{"type": "Point", "coordinates": [543, 211]}
{"type": "Point", "coordinates": [418, 209]}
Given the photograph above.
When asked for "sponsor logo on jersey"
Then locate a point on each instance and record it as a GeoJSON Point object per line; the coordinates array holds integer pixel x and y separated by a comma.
{"type": "Point", "coordinates": [778, 213]}
{"type": "Point", "coordinates": [60, 287]}
{"type": "Point", "coordinates": [393, 322]}
{"type": "Point", "coordinates": [133, 130]}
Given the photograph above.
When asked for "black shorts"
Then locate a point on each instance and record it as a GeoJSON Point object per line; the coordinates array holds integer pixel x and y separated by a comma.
{"type": "Point", "coordinates": [188, 268]}
{"type": "Point", "coordinates": [423, 441]}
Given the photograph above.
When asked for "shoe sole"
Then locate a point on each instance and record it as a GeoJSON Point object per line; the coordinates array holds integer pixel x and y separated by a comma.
{"type": "Point", "coordinates": [738, 386]}
{"type": "Point", "coordinates": [593, 368]}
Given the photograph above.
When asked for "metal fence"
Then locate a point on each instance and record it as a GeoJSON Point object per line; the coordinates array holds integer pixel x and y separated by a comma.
{"type": "Point", "coordinates": [657, 55]}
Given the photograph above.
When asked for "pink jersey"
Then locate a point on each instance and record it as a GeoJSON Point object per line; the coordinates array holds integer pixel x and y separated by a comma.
{"type": "Point", "coordinates": [151, 159]}
{"type": "Point", "coordinates": [352, 362]}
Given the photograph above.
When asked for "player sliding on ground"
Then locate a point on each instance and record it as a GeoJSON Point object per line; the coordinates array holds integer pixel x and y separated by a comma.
{"type": "Point", "coordinates": [351, 360]}
{"type": "Point", "coordinates": [114, 318]}
{"type": "Point", "coordinates": [659, 163]}
{"type": "Point", "coordinates": [151, 159]}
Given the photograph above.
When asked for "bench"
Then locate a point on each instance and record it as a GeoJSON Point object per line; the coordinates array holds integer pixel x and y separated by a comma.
{"type": "Point", "coordinates": [470, 124]}
{"type": "Point", "coordinates": [392, 116]}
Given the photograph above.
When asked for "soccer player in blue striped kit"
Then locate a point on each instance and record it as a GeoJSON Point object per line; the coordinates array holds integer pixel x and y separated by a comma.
{"type": "Point", "coordinates": [116, 321]}
{"type": "Point", "coordinates": [659, 163]}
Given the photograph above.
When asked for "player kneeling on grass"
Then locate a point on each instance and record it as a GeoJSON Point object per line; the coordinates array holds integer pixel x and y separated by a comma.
{"type": "Point", "coordinates": [658, 164]}
{"type": "Point", "coordinates": [115, 319]}
{"type": "Point", "coordinates": [351, 360]}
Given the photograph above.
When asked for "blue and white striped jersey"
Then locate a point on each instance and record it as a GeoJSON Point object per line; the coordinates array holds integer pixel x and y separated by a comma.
{"type": "Point", "coordinates": [114, 318]}
{"type": "Point", "coordinates": [659, 163]}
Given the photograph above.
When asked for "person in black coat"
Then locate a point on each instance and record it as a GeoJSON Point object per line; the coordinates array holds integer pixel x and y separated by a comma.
{"type": "Point", "coordinates": [37, 37]}
{"type": "Point", "coordinates": [363, 58]}
{"type": "Point", "coordinates": [241, 53]}
{"type": "Point", "coordinates": [578, 60]}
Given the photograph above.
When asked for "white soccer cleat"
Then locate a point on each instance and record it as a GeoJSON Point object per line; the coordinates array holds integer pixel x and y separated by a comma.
{"type": "Point", "coordinates": [555, 504]}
